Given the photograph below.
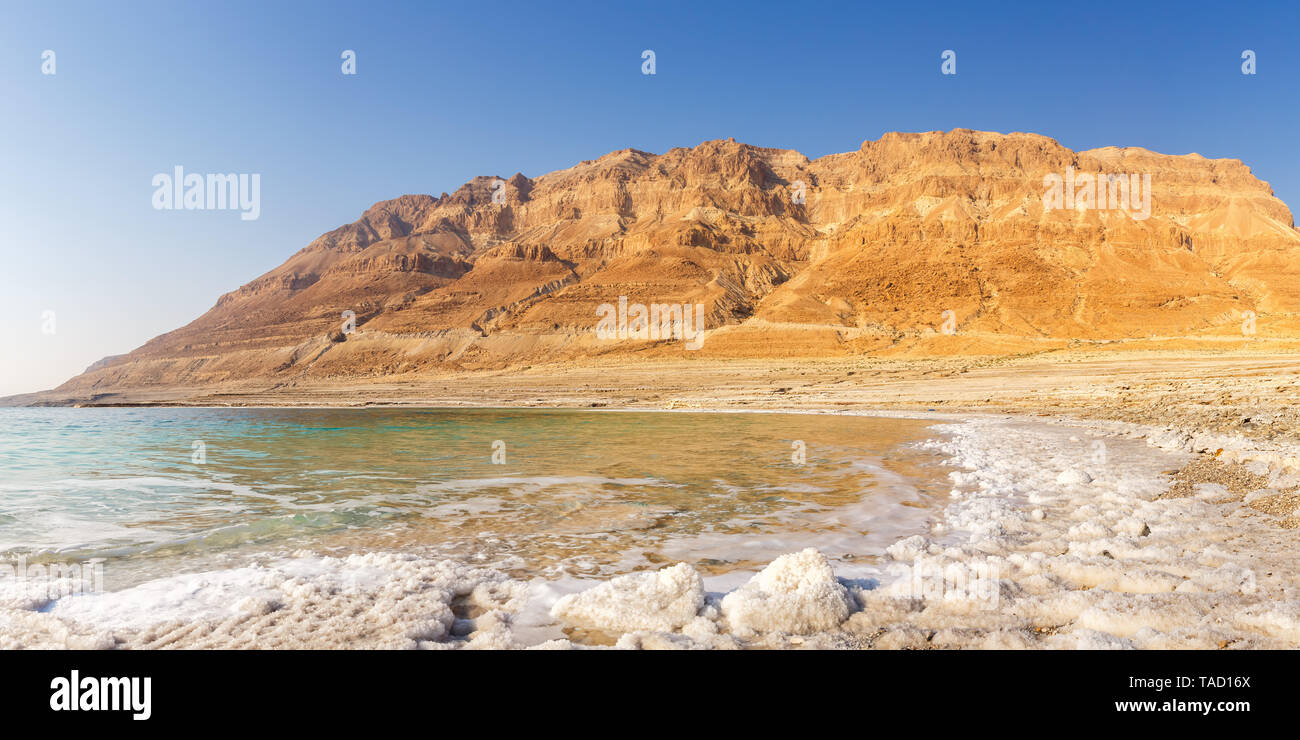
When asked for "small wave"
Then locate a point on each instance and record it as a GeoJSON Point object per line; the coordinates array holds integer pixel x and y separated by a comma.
{"type": "Point", "coordinates": [540, 482]}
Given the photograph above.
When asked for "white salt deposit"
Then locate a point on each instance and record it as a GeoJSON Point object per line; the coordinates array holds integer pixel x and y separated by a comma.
{"type": "Point", "coordinates": [665, 600]}
{"type": "Point", "coordinates": [1074, 476]}
{"type": "Point", "coordinates": [797, 593]}
{"type": "Point", "coordinates": [1043, 544]}
{"type": "Point", "coordinates": [1098, 562]}
{"type": "Point", "coordinates": [373, 600]}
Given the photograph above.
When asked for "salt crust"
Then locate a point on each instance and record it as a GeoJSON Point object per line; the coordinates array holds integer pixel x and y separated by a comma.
{"type": "Point", "coordinates": [1069, 549]}
{"type": "Point", "coordinates": [660, 601]}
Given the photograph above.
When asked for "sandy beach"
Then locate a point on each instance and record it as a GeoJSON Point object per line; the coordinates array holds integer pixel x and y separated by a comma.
{"type": "Point", "coordinates": [1251, 394]}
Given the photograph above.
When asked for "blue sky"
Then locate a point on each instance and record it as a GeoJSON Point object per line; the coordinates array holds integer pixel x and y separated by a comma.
{"type": "Point", "coordinates": [444, 92]}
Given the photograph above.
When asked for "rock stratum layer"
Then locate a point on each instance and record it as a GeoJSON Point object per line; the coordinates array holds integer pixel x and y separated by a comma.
{"type": "Point", "coordinates": [887, 239]}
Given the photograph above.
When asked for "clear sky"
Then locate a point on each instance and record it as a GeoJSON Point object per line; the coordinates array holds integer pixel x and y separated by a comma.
{"type": "Point", "coordinates": [447, 91]}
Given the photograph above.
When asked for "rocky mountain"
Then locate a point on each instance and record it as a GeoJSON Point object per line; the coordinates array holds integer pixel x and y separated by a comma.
{"type": "Point", "coordinates": [937, 242]}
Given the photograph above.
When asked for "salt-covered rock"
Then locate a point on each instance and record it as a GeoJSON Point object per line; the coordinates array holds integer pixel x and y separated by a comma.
{"type": "Point", "coordinates": [1074, 477]}
{"type": "Point", "coordinates": [797, 593]}
{"type": "Point", "coordinates": [1132, 526]}
{"type": "Point", "coordinates": [908, 549]}
{"type": "Point", "coordinates": [660, 601]}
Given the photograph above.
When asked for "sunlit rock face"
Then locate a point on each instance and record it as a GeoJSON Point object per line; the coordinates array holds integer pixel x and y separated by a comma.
{"type": "Point", "coordinates": [928, 243]}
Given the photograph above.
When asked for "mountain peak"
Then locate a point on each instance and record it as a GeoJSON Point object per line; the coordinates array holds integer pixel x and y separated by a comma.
{"type": "Point", "coordinates": [861, 252]}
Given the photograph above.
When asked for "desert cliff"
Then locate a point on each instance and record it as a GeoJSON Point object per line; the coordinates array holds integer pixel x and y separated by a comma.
{"type": "Point", "coordinates": [917, 244]}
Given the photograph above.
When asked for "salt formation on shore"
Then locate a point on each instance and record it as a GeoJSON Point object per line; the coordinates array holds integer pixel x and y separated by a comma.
{"type": "Point", "coordinates": [1085, 553]}
{"type": "Point", "coordinates": [1044, 543]}
{"type": "Point", "coordinates": [796, 594]}
{"type": "Point", "coordinates": [664, 600]}
{"type": "Point", "coordinates": [375, 600]}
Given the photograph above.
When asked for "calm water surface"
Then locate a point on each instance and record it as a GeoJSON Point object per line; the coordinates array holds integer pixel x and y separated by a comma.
{"type": "Point", "coordinates": [154, 491]}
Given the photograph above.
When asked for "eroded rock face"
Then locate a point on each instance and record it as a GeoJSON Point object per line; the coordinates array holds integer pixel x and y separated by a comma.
{"type": "Point", "coordinates": [857, 252]}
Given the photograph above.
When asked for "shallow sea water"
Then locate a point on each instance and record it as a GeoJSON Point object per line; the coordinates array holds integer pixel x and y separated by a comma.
{"type": "Point", "coordinates": [537, 493]}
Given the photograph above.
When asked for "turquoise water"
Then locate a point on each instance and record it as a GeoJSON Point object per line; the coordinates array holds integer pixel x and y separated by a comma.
{"type": "Point", "coordinates": [571, 492]}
